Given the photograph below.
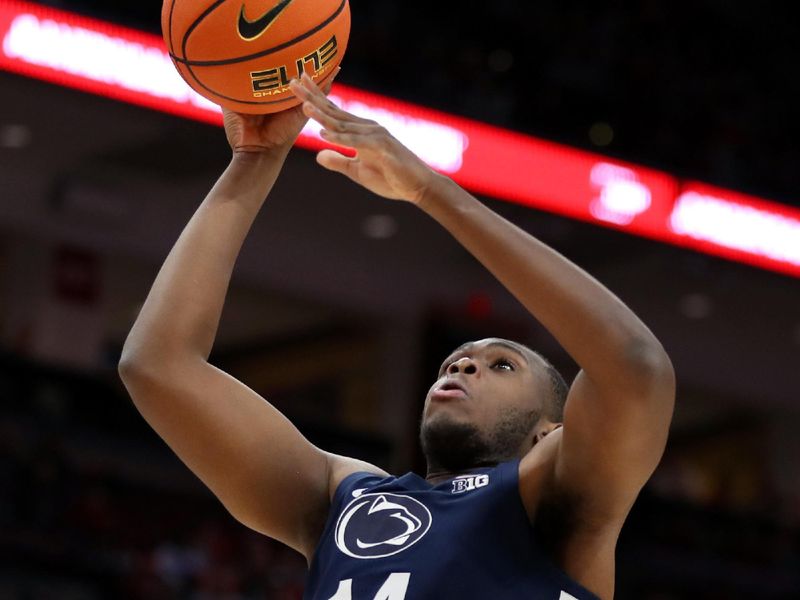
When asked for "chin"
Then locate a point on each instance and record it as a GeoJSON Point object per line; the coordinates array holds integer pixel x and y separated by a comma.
{"type": "Point", "coordinates": [452, 443]}
{"type": "Point", "coordinates": [444, 413]}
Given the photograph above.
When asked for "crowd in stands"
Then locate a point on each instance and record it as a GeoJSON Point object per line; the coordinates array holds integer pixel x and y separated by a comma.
{"type": "Point", "coordinates": [77, 522]}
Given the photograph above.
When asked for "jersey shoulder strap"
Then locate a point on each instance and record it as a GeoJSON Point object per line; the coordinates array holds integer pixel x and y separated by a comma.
{"type": "Point", "coordinates": [356, 484]}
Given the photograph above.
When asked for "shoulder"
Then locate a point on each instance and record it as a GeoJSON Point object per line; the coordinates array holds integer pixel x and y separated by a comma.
{"type": "Point", "coordinates": [539, 486]}
{"type": "Point", "coordinates": [581, 543]}
{"type": "Point", "coordinates": [537, 472]}
{"type": "Point", "coordinates": [341, 467]}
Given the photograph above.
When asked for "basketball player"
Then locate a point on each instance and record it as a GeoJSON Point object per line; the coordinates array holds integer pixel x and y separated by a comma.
{"type": "Point", "coordinates": [528, 483]}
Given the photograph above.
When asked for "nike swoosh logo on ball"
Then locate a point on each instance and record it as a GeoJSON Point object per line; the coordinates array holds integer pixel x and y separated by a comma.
{"type": "Point", "coordinates": [250, 30]}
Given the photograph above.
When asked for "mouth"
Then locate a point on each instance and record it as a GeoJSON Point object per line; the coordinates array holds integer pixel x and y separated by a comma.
{"type": "Point", "coordinates": [450, 389]}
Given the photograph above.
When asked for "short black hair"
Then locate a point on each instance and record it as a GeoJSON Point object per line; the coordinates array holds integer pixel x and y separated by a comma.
{"type": "Point", "coordinates": [554, 407]}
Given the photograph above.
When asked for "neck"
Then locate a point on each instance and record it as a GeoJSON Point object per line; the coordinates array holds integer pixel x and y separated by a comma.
{"type": "Point", "coordinates": [437, 474]}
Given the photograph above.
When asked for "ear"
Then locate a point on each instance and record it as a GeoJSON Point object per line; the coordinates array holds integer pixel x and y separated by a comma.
{"type": "Point", "coordinates": [543, 428]}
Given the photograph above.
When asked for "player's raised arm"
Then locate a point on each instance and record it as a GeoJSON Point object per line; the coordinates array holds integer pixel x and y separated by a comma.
{"type": "Point", "coordinates": [264, 471]}
{"type": "Point", "coordinates": [620, 406]}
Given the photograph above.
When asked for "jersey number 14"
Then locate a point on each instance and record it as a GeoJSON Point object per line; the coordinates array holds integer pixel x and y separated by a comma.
{"type": "Point", "coordinates": [394, 588]}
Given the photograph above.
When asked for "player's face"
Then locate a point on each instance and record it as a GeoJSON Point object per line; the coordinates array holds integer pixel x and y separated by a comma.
{"type": "Point", "coordinates": [492, 388]}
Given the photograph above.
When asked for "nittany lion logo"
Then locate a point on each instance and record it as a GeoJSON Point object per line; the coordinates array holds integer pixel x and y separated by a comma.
{"type": "Point", "coordinates": [380, 525]}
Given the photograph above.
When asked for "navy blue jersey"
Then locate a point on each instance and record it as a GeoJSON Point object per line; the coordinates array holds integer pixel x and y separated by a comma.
{"type": "Point", "coordinates": [401, 538]}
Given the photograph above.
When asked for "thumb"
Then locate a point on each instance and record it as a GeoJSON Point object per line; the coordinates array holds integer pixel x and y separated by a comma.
{"type": "Point", "coordinates": [335, 161]}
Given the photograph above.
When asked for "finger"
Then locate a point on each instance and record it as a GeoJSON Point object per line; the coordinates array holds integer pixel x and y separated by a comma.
{"type": "Point", "coordinates": [229, 115]}
{"type": "Point", "coordinates": [302, 89]}
{"type": "Point", "coordinates": [337, 162]}
{"type": "Point", "coordinates": [327, 88]}
{"type": "Point", "coordinates": [355, 140]}
{"type": "Point", "coordinates": [308, 91]}
{"type": "Point", "coordinates": [334, 124]}
{"type": "Point", "coordinates": [310, 85]}
{"type": "Point", "coordinates": [309, 96]}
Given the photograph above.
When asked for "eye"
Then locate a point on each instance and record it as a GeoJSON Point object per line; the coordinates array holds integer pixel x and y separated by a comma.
{"type": "Point", "coordinates": [503, 364]}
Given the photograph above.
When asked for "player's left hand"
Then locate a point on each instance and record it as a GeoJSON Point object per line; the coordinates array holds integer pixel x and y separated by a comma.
{"type": "Point", "coordinates": [382, 164]}
{"type": "Point", "coordinates": [248, 133]}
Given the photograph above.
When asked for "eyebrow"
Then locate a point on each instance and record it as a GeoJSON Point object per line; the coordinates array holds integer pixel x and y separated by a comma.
{"type": "Point", "coordinates": [511, 347]}
{"type": "Point", "coordinates": [498, 343]}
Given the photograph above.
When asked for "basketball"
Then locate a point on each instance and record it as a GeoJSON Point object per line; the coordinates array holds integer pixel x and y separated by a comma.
{"type": "Point", "coordinates": [242, 54]}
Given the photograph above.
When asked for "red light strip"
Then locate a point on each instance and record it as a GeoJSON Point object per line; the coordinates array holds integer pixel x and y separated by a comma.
{"type": "Point", "coordinates": [132, 66]}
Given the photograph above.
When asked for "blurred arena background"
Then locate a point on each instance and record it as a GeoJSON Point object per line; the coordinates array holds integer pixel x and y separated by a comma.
{"type": "Point", "coordinates": [342, 304]}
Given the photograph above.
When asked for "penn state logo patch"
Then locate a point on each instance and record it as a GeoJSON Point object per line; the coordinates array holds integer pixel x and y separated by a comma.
{"type": "Point", "coordinates": [379, 525]}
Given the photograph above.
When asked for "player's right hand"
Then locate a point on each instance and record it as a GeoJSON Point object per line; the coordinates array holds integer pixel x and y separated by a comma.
{"type": "Point", "coordinates": [382, 164]}
{"type": "Point", "coordinates": [255, 134]}
{"type": "Point", "coordinates": [248, 133]}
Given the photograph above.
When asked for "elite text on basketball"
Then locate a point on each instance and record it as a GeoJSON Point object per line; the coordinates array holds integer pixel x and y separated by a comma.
{"type": "Point", "coordinates": [276, 81]}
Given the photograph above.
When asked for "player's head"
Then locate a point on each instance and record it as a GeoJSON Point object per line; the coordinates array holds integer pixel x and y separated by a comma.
{"type": "Point", "coordinates": [492, 401]}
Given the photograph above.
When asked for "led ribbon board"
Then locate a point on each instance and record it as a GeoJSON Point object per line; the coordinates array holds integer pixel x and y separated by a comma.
{"type": "Point", "coordinates": [133, 66]}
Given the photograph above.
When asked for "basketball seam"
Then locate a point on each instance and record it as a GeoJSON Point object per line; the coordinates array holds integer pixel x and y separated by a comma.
{"type": "Point", "coordinates": [194, 26]}
{"type": "Point", "coordinates": [268, 51]}
{"type": "Point", "coordinates": [169, 29]}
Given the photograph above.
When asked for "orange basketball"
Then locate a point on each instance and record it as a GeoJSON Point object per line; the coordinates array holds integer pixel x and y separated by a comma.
{"type": "Point", "coordinates": [242, 54]}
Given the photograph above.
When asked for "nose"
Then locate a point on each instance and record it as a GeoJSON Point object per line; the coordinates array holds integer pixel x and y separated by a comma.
{"type": "Point", "coordinates": [463, 365]}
